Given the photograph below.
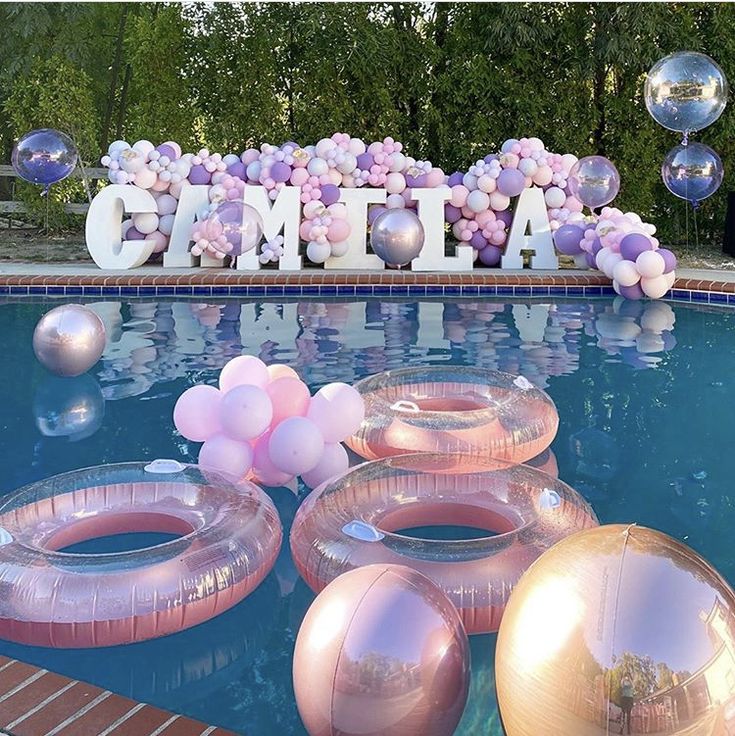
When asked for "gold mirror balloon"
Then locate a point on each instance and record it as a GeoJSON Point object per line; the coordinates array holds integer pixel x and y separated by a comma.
{"type": "Point", "coordinates": [618, 629]}
{"type": "Point", "coordinates": [69, 340]}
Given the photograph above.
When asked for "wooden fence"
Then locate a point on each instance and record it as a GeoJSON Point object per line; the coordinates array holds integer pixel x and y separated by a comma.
{"type": "Point", "coordinates": [76, 208]}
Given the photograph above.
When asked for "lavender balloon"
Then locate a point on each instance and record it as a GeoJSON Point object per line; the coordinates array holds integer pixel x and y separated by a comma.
{"type": "Point", "coordinates": [44, 156]}
{"type": "Point", "coordinates": [330, 194]}
{"type": "Point", "coordinates": [567, 239]}
{"type": "Point", "coordinates": [632, 292]}
{"type": "Point", "coordinates": [241, 225]}
{"type": "Point", "coordinates": [490, 255]}
{"type": "Point", "coordinates": [594, 181]}
{"type": "Point", "coordinates": [633, 244]}
{"type": "Point", "coordinates": [397, 236]}
{"type": "Point", "coordinates": [692, 172]}
{"type": "Point", "coordinates": [199, 175]}
{"type": "Point", "coordinates": [669, 259]}
{"type": "Point", "coordinates": [511, 182]}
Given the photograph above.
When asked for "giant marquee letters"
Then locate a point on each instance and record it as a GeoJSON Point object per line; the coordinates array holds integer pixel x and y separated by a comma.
{"type": "Point", "coordinates": [530, 230]}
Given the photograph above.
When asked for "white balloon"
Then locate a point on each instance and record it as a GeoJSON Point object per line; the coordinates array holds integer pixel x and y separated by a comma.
{"type": "Point", "coordinates": [395, 201]}
{"type": "Point", "coordinates": [145, 222]}
{"type": "Point", "coordinates": [318, 252]}
{"type": "Point", "coordinates": [166, 224]}
{"type": "Point", "coordinates": [143, 146]}
{"type": "Point", "coordinates": [348, 164]}
{"type": "Point", "coordinates": [340, 249]}
{"type": "Point", "coordinates": [554, 196]}
{"type": "Point", "coordinates": [655, 287]}
{"type": "Point", "coordinates": [625, 273]}
{"type": "Point", "coordinates": [499, 202]}
{"type": "Point", "coordinates": [478, 201]}
{"type": "Point", "coordinates": [116, 148]}
{"type": "Point", "coordinates": [650, 264]}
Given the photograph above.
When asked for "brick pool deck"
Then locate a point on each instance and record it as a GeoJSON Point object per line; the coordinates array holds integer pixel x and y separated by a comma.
{"type": "Point", "coordinates": [17, 279]}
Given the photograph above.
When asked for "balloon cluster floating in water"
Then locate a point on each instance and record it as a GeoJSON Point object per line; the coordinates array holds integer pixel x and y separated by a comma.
{"type": "Point", "coordinates": [263, 422]}
{"type": "Point", "coordinates": [478, 210]}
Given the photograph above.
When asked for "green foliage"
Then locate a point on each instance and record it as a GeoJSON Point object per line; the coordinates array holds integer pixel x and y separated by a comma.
{"type": "Point", "coordinates": [450, 80]}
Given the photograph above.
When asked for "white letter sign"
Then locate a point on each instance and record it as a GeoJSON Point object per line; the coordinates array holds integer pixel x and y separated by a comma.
{"type": "Point", "coordinates": [530, 213]}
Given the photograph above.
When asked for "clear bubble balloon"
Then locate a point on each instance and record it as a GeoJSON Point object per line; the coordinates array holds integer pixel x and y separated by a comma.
{"type": "Point", "coordinates": [397, 236]}
{"type": "Point", "coordinates": [685, 91]}
{"type": "Point", "coordinates": [44, 156]}
{"type": "Point", "coordinates": [240, 224]}
{"type": "Point", "coordinates": [594, 181]}
{"type": "Point", "coordinates": [693, 172]}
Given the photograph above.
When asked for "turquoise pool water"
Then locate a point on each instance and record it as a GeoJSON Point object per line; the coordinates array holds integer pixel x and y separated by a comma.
{"type": "Point", "coordinates": [644, 392]}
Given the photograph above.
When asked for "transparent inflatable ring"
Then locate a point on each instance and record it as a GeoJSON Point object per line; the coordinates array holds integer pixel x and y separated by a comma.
{"type": "Point", "coordinates": [453, 409]}
{"type": "Point", "coordinates": [357, 519]}
{"type": "Point", "coordinates": [228, 538]}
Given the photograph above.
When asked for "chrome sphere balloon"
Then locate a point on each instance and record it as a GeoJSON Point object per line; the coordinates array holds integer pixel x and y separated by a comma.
{"type": "Point", "coordinates": [594, 181]}
{"type": "Point", "coordinates": [44, 156]}
{"type": "Point", "coordinates": [692, 172]}
{"type": "Point", "coordinates": [69, 340]}
{"type": "Point", "coordinates": [239, 224]}
{"type": "Point", "coordinates": [381, 651]}
{"type": "Point", "coordinates": [618, 629]}
{"type": "Point", "coordinates": [397, 236]}
{"type": "Point", "coordinates": [685, 91]}
{"type": "Point", "coordinates": [69, 407]}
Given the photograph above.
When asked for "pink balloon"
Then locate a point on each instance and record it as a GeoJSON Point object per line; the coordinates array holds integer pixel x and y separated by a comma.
{"type": "Point", "coordinates": [305, 230]}
{"type": "Point", "coordinates": [264, 470]}
{"type": "Point", "coordinates": [296, 445]}
{"type": "Point", "coordinates": [281, 370]}
{"type": "Point", "coordinates": [299, 177]}
{"type": "Point", "coordinates": [334, 461]}
{"type": "Point", "coordinates": [290, 398]}
{"type": "Point", "coordinates": [227, 456]}
{"type": "Point", "coordinates": [196, 414]}
{"type": "Point", "coordinates": [338, 231]}
{"type": "Point", "coordinates": [245, 369]}
{"type": "Point", "coordinates": [337, 409]}
{"type": "Point", "coordinates": [245, 412]}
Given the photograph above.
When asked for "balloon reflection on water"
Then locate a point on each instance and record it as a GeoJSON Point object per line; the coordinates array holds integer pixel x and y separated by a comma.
{"type": "Point", "coordinates": [152, 343]}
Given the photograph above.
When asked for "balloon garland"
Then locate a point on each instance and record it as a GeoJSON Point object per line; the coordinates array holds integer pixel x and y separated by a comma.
{"type": "Point", "coordinates": [478, 210]}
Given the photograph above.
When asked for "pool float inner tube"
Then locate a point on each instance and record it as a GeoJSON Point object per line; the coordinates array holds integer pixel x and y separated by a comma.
{"type": "Point", "coordinates": [229, 538]}
{"type": "Point", "coordinates": [454, 409]}
{"type": "Point", "coordinates": [356, 519]}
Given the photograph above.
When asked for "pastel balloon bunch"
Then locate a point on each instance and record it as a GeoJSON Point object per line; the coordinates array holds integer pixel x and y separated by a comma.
{"type": "Point", "coordinates": [145, 165]}
{"type": "Point", "coordinates": [325, 230]}
{"type": "Point", "coordinates": [262, 422]}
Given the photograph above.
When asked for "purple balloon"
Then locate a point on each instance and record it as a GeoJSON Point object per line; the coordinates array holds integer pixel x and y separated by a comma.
{"type": "Point", "coordinates": [373, 212]}
{"type": "Point", "coordinates": [632, 292]}
{"type": "Point", "coordinates": [330, 194]}
{"type": "Point", "coordinates": [199, 175]}
{"type": "Point", "coordinates": [455, 178]}
{"type": "Point", "coordinates": [567, 239]}
{"type": "Point", "coordinates": [134, 234]}
{"type": "Point", "coordinates": [291, 143]}
{"type": "Point", "coordinates": [590, 260]}
{"type": "Point", "coordinates": [511, 182]}
{"type": "Point", "coordinates": [365, 161]}
{"type": "Point", "coordinates": [596, 245]}
{"type": "Point", "coordinates": [506, 217]}
{"type": "Point", "coordinates": [490, 255]}
{"type": "Point", "coordinates": [415, 182]}
{"type": "Point", "coordinates": [239, 170]}
{"type": "Point", "coordinates": [478, 241]}
{"type": "Point", "coordinates": [280, 171]}
{"type": "Point", "coordinates": [165, 150]}
{"type": "Point", "coordinates": [452, 213]}
{"type": "Point", "coordinates": [633, 244]}
{"type": "Point", "coordinates": [669, 259]}
{"type": "Point", "coordinates": [491, 157]}
{"type": "Point", "coordinates": [44, 156]}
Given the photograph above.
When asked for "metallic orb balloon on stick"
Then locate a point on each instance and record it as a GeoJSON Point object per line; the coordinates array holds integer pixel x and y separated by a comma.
{"type": "Point", "coordinates": [685, 91]}
{"type": "Point", "coordinates": [611, 628]}
{"type": "Point", "coordinates": [69, 340]}
{"type": "Point", "coordinates": [594, 181]}
{"type": "Point", "coordinates": [44, 156]}
{"type": "Point", "coordinates": [397, 236]}
{"type": "Point", "coordinates": [238, 227]}
{"type": "Point", "coordinates": [381, 651]}
{"type": "Point", "coordinates": [692, 172]}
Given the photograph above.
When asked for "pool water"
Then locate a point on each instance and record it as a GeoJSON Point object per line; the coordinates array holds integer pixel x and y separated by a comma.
{"type": "Point", "coordinates": [644, 393]}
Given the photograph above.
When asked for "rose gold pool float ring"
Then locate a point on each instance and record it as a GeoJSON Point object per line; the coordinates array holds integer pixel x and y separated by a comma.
{"type": "Point", "coordinates": [229, 538]}
{"type": "Point", "coordinates": [453, 409]}
{"type": "Point", "coordinates": [356, 519]}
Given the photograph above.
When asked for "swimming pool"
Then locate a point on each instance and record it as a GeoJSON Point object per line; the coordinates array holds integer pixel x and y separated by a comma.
{"type": "Point", "coordinates": [644, 393]}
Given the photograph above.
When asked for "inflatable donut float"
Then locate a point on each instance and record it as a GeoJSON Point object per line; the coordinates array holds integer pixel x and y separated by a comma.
{"type": "Point", "coordinates": [356, 519]}
{"type": "Point", "coordinates": [228, 539]}
{"type": "Point", "coordinates": [454, 410]}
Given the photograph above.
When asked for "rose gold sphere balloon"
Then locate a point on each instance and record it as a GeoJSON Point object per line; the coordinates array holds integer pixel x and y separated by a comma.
{"type": "Point", "coordinates": [381, 652]}
{"type": "Point", "coordinates": [618, 629]}
{"type": "Point", "coordinates": [69, 340]}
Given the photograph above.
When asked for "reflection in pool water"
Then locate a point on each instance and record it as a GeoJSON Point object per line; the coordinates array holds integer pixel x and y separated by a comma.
{"type": "Point", "coordinates": [645, 415]}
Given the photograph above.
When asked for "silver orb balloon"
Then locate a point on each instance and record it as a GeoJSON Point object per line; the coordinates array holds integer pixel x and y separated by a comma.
{"type": "Point", "coordinates": [68, 407]}
{"type": "Point", "coordinates": [397, 236]}
{"type": "Point", "coordinates": [685, 91]}
{"type": "Point", "coordinates": [692, 172]}
{"type": "Point", "coordinates": [69, 340]}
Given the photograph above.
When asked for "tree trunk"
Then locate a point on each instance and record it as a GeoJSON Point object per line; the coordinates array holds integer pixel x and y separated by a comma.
{"type": "Point", "coordinates": [114, 73]}
{"type": "Point", "coordinates": [598, 134]}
